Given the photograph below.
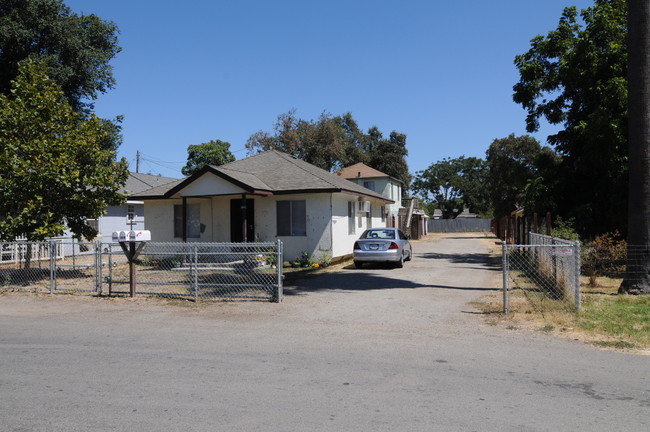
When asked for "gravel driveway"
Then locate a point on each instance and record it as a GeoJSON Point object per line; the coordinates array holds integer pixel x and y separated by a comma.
{"type": "Point", "coordinates": [375, 349]}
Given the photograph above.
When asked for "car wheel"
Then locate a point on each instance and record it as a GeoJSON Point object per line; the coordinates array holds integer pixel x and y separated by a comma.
{"type": "Point", "coordinates": [358, 264]}
{"type": "Point", "coordinates": [400, 263]}
{"type": "Point", "coordinates": [408, 258]}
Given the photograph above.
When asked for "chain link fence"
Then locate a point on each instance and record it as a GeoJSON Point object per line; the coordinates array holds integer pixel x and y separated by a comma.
{"type": "Point", "coordinates": [554, 274]}
{"type": "Point", "coordinates": [225, 271]}
{"type": "Point", "coordinates": [544, 275]}
{"type": "Point", "coordinates": [28, 266]}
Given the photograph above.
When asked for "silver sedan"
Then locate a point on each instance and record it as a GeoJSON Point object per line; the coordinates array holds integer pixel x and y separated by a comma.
{"type": "Point", "coordinates": [382, 245]}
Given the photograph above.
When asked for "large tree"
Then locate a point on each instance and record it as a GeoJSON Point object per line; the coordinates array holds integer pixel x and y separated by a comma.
{"type": "Point", "coordinates": [575, 77]}
{"type": "Point", "coordinates": [388, 155]}
{"type": "Point", "coordinates": [53, 172]}
{"type": "Point", "coordinates": [76, 49]}
{"type": "Point", "coordinates": [637, 278]}
{"type": "Point", "coordinates": [454, 184]}
{"type": "Point", "coordinates": [519, 168]}
{"type": "Point", "coordinates": [215, 152]}
{"type": "Point", "coordinates": [334, 142]}
{"type": "Point", "coordinates": [321, 142]}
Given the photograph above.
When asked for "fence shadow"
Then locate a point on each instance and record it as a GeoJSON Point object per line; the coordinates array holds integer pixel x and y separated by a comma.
{"type": "Point", "coordinates": [356, 280]}
{"type": "Point", "coordinates": [485, 260]}
{"type": "Point", "coordinates": [23, 277]}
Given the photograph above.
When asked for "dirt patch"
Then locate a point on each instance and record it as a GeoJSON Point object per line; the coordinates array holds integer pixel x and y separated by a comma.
{"type": "Point", "coordinates": [562, 325]}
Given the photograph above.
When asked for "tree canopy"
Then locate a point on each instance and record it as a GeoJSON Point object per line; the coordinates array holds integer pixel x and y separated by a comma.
{"type": "Point", "coordinates": [215, 152]}
{"type": "Point", "coordinates": [334, 142]}
{"type": "Point", "coordinates": [76, 50]}
{"type": "Point", "coordinates": [520, 172]}
{"type": "Point", "coordinates": [575, 77]}
{"type": "Point", "coordinates": [53, 172]}
{"type": "Point", "coordinates": [454, 184]}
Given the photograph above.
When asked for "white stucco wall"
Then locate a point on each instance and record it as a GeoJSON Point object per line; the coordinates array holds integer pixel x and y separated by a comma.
{"type": "Point", "coordinates": [326, 222]}
{"type": "Point", "coordinates": [115, 219]}
{"type": "Point", "coordinates": [344, 240]}
{"type": "Point", "coordinates": [387, 188]}
{"type": "Point", "coordinates": [159, 216]}
{"type": "Point", "coordinates": [210, 184]}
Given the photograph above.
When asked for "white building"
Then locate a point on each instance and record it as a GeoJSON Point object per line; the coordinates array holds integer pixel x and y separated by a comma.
{"type": "Point", "coordinates": [265, 197]}
{"type": "Point", "coordinates": [370, 178]}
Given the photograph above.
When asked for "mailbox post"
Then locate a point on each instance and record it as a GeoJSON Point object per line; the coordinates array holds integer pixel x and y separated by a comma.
{"type": "Point", "coordinates": [132, 243]}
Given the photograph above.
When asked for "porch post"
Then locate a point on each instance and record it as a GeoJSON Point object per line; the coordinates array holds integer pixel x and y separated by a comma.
{"type": "Point", "coordinates": [243, 218]}
{"type": "Point", "coordinates": [184, 222]}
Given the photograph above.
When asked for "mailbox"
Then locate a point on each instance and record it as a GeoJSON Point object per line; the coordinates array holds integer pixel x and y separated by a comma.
{"type": "Point", "coordinates": [143, 235]}
{"type": "Point", "coordinates": [131, 236]}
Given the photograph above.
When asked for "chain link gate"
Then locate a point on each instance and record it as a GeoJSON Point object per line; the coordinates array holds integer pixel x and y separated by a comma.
{"type": "Point", "coordinates": [544, 276]}
{"type": "Point", "coordinates": [226, 271]}
{"type": "Point", "coordinates": [77, 266]}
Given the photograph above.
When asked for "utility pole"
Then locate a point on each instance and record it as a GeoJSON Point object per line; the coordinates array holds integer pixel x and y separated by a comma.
{"type": "Point", "coordinates": [137, 161]}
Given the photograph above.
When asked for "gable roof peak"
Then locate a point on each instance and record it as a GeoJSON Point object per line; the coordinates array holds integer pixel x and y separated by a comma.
{"type": "Point", "coordinates": [360, 170]}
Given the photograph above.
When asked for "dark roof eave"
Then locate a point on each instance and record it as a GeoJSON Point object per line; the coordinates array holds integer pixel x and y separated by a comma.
{"type": "Point", "coordinates": [378, 198]}
{"type": "Point", "coordinates": [332, 190]}
{"type": "Point", "coordinates": [213, 170]}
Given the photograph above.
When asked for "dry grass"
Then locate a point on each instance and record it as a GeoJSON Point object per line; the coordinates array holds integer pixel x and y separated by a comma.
{"type": "Point", "coordinates": [606, 319]}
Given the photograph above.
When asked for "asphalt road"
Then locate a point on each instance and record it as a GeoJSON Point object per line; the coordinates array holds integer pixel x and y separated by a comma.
{"type": "Point", "coordinates": [376, 349]}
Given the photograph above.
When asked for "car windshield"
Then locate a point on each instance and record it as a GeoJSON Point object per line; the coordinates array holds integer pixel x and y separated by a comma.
{"type": "Point", "coordinates": [378, 234]}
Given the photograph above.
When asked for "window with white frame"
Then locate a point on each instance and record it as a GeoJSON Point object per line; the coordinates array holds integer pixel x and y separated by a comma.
{"type": "Point", "coordinates": [130, 212]}
{"type": "Point", "coordinates": [292, 218]}
{"type": "Point", "coordinates": [193, 221]}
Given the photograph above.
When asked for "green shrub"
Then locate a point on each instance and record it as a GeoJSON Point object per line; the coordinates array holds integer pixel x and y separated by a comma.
{"type": "Point", "coordinates": [565, 229]}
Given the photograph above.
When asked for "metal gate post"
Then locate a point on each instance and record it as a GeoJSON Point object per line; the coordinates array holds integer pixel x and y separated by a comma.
{"type": "Point", "coordinates": [278, 264]}
{"type": "Point", "coordinates": [196, 273]}
{"type": "Point", "coordinates": [98, 267]}
{"type": "Point", "coordinates": [576, 271]}
{"type": "Point", "coordinates": [52, 266]}
{"type": "Point", "coordinates": [506, 288]}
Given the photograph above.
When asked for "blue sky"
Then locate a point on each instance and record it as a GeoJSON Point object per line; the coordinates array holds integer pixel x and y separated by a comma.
{"type": "Point", "coordinates": [441, 72]}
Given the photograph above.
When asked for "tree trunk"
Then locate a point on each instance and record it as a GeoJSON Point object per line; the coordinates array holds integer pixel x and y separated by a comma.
{"type": "Point", "coordinates": [637, 277]}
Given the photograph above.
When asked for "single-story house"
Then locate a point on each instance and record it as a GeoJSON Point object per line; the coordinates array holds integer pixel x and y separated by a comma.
{"type": "Point", "coordinates": [130, 215]}
{"type": "Point", "coordinates": [265, 197]}
{"type": "Point", "coordinates": [375, 180]}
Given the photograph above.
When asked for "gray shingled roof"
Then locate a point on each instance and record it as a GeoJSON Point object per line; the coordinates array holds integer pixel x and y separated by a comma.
{"type": "Point", "coordinates": [138, 182]}
{"type": "Point", "coordinates": [271, 172]}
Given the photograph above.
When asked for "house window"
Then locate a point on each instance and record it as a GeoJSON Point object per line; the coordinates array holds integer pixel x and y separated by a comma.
{"type": "Point", "coordinates": [130, 212]}
{"type": "Point", "coordinates": [292, 218]}
{"type": "Point", "coordinates": [352, 211]}
{"type": "Point", "coordinates": [369, 185]}
{"type": "Point", "coordinates": [383, 214]}
{"type": "Point", "coordinates": [193, 221]}
{"type": "Point", "coordinates": [93, 223]}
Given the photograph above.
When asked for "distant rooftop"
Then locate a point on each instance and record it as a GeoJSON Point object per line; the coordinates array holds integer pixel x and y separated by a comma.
{"type": "Point", "coordinates": [138, 182]}
{"type": "Point", "coordinates": [361, 170]}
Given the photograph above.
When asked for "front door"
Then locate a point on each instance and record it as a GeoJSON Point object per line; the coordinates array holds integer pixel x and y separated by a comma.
{"type": "Point", "coordinates": [237, 220]}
